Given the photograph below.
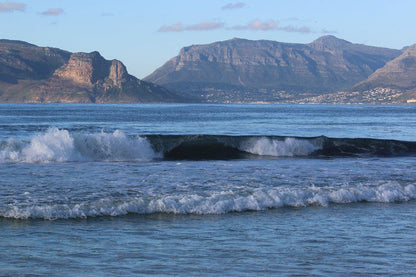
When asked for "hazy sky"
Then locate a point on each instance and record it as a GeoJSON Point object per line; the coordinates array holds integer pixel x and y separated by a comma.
{"type": "Point", "coordinates": [145, 34]}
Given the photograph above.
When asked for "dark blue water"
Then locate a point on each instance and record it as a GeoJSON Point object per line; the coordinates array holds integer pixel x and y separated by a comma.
{"type": "Point", "coordinates": [207, 189]}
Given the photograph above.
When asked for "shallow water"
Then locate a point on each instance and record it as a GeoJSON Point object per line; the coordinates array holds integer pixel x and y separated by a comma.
{"type": "Point", "coordinates": [360, 239]}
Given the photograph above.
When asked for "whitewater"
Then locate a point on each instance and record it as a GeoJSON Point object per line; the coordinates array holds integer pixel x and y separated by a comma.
{"type": "Point", "coordinates": [207, 189]}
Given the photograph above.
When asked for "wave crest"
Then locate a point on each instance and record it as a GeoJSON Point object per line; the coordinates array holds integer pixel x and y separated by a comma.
{"type": "Point", "coordinates": [288, 147]}
{"type": "Point", "coordinates": [217, 202]}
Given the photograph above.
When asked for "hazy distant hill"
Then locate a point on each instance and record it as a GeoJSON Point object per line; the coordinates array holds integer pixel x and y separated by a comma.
{"type": "Point", "coordinates": [29, 73]}
{"type": "Point", "coordinates": [249, 71]}
{"type": "Point", "coordinates": [394, 83]}
{"type": "Point", "coordinates": [399, 73]}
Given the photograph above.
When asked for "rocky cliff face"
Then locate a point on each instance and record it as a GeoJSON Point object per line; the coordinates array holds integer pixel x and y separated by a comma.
{"type": "Point", "coordinates": [118, 73]}
{"type": "Point", "coordinates": [399, 73]}
{"type": "Point", "coordinates": [39, 74]}
{"type": "Point", "coordinates": [256, 70]}
{"type": "Point", "coordinates": [89, 69]}
{"type": "Point", "coordinates": [84, 68]}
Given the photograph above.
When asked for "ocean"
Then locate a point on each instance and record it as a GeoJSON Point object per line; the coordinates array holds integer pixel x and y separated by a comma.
{"type": "Point", "coordinates": [187, 189]}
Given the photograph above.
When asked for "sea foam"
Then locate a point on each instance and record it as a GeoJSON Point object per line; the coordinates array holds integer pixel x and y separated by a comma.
{"type": "Point", "coordinates": [288, 147]}
{"type": "Point", "coordinates": [57, 145]}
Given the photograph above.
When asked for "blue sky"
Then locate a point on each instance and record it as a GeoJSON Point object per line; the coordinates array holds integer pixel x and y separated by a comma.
{"type": "Point", "coordinates": [145, 34]}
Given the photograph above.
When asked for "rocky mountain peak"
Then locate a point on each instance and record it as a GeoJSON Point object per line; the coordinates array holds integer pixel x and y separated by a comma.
{"type": "Point", "coordinates": [411, 50]}
{"type": "Point", "coordinates": [329, 43]}
{"type": "Point", "coordinates": [88, 69]}
{"type": "Point", "coordinates": [84, 68]}
{"type": "Point", "coordinates": [118, 73]}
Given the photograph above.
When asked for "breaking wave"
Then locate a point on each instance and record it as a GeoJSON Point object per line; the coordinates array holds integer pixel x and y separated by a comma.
{"type": "Point", "coordinates": [216, 202]}
{"type": "Point", "coordinates": [58, 145]}
{"type": "Point", "coordinates": [206, 147]}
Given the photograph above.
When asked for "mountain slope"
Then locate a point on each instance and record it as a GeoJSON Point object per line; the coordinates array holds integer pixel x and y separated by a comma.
{"type": "Point", "coordinates": [20, 60]}
{"type": "Point", "coordinates": [29, 73]}
{"type": "Point", "coordinates": [246, 70]}
{"type": "Point", "coordinates": [399, 73]}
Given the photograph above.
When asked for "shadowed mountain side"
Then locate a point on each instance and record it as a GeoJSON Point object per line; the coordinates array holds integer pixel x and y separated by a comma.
{"type": "Point", "coordinates": [260, 69]}
{"type": "Point", "coordinates": [21, 60]}
{"type": "Point", "coordinates": [29, 73]}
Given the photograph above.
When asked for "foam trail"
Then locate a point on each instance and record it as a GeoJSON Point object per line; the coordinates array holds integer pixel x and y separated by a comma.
{"type": "Point", "coordinates": [57, 145]}
{"type": "Point", "coordinates": [215, 202]}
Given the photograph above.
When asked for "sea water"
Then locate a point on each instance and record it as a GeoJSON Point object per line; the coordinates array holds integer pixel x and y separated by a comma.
{"type": "Point", "coordinates": [207, 189]}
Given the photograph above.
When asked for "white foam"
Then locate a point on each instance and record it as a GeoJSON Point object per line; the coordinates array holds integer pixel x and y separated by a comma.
{"type": "Point", "coordinates": [57, 145]}
{"type": "Point", "coordinates": [288, 147]}
{"type": "Point", "coordinates": [113, 147]}
{"type": "Point", "coordinates": [217, 202]}
{"type": "Point", "coordinates": [9, 150]}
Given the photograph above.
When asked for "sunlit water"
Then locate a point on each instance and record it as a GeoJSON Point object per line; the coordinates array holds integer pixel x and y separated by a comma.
{"type": "Point", "coordinates": [98, 190]}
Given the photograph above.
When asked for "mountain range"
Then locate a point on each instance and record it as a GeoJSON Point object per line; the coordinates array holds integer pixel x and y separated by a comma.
{"type": "Point", "coordinates": [327, 70]}
{"type": "Point", "coordinates": [249, 71]}
{"type": "Point", "coordinates": [29, 73]}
